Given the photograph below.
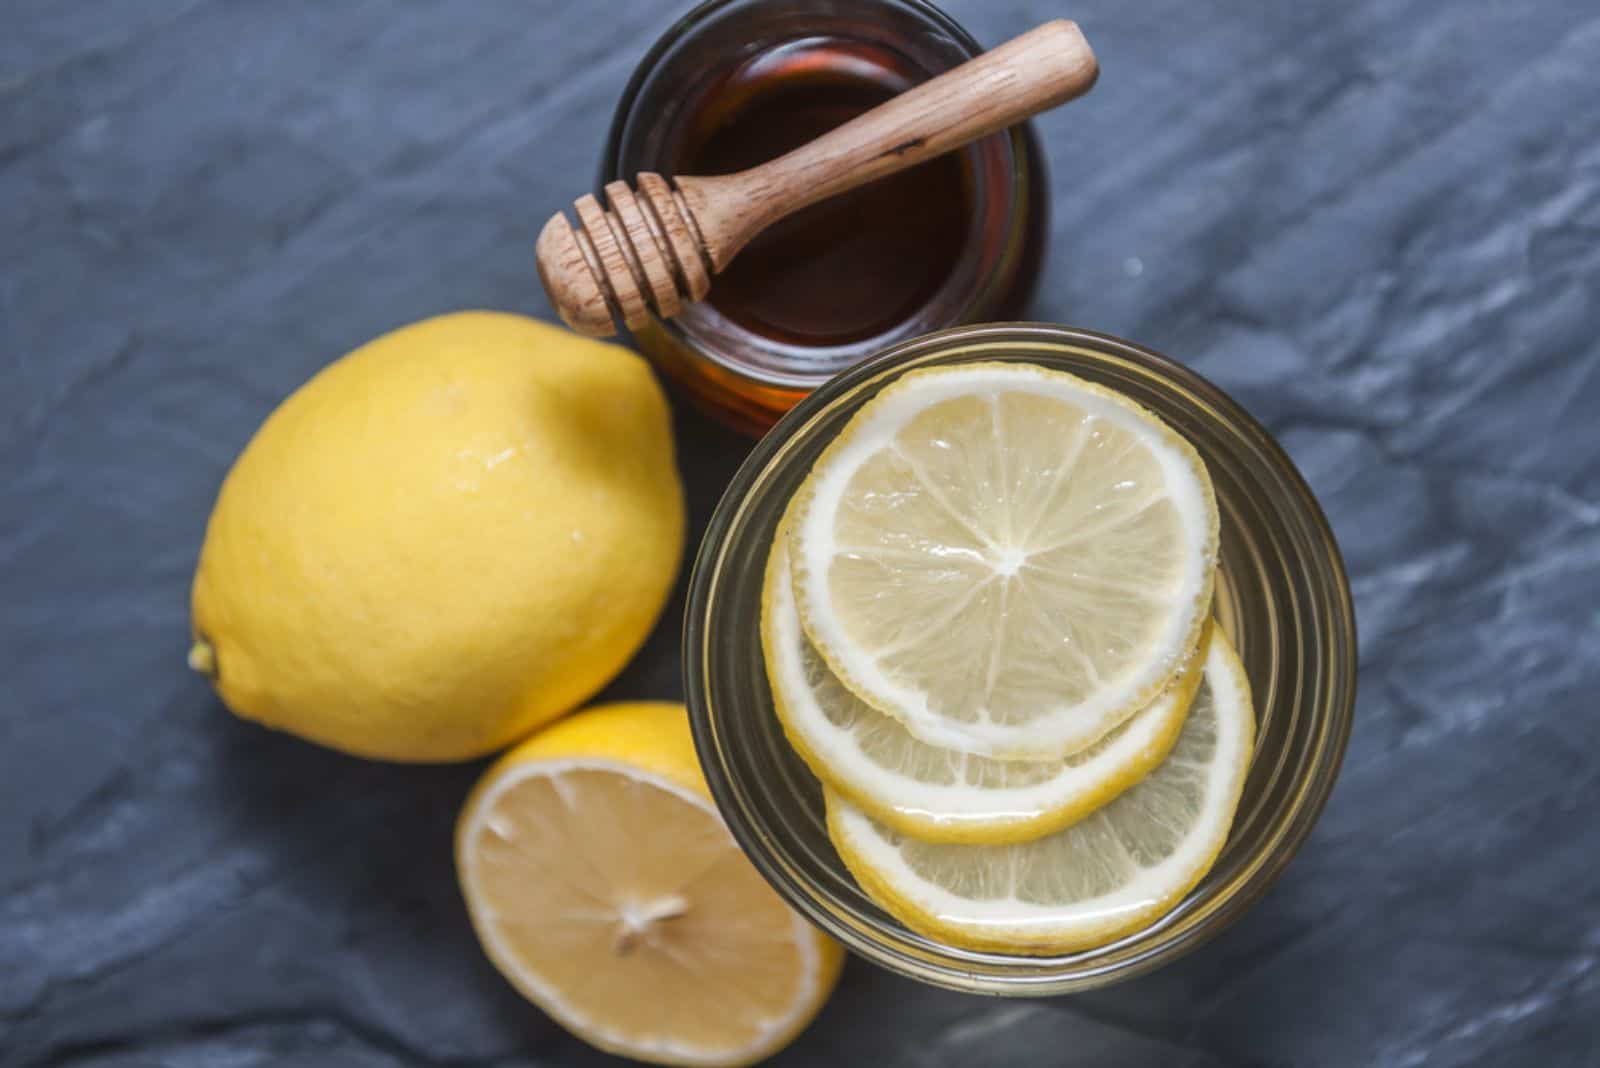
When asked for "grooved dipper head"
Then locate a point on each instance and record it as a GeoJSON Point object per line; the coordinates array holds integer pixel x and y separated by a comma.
{"type": "Point", "coordinates": [570, 276]}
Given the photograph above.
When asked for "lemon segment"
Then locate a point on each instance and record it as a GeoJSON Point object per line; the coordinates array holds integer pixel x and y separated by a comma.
{"type": "Point", "coordinates": [1009, 560]}
{"type": "Point", "coordinates": [943, 795]}
{"type": "Point", "coordinates": [604, 886]}
{"type": "Point", "coordinates": [1104, 877]}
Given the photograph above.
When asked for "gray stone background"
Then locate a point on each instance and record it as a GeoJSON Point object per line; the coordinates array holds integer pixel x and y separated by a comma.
{"type": "Point", "coordinates": [1376, 222]}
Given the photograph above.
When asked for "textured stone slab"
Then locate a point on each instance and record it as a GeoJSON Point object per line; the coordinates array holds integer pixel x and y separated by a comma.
{"type": "Point", "coordinates": [1377, 222]}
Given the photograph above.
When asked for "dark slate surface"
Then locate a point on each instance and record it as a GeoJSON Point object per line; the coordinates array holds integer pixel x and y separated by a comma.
{"type": "Point", "coordinates": [1376, 221]}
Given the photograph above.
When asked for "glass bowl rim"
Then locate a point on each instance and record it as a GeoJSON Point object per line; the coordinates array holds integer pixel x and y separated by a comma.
{"type": "Point", "coordinates": [1264, 865]}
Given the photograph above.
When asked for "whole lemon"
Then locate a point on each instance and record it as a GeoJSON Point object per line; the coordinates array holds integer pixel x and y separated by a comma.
{"type": "Point", "coordinates": [452, 535]}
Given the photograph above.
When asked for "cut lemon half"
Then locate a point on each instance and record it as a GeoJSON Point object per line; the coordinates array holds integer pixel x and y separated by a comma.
{"type": "Point", "coordinates": [1100, 879]}
{"type": "Point", "coordinates": [944, 795]}
{"type": "Point", "coordinates": [604, 886]}
{"type": "Point", "coordinates": [1010, 560]}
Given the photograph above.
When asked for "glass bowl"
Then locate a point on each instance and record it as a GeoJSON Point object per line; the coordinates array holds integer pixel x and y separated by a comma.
{"type": "Point", "coordinates": [1281, 595]}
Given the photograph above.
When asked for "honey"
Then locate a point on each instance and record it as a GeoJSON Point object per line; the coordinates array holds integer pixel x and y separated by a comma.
{"type": "Point", "coordinates": [848, 268]}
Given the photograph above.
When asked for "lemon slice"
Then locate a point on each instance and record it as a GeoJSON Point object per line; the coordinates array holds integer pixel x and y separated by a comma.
{"type": "Point", "coordinates": [1010, 560]}
{"type": "Point", "coordinates": [943, 795]}
{"type": "Point", "coordinates": [604, 886]}
{"type": "Point", "coordinates": [1098, 880]}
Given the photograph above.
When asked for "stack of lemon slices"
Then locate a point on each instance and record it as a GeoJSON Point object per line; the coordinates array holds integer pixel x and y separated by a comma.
{"type": "Point", "coordinates": [986, 622]}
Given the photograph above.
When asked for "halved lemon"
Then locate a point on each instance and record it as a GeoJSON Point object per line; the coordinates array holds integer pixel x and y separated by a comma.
{"type": "Point", "coordinates": [604, 886]}
{"type": "Point", "coordinates": [1100, 879]}
{"type": "Point", "coordinates": [944, 795]}
{"type": "Point", "coordinates": [1010, 560]}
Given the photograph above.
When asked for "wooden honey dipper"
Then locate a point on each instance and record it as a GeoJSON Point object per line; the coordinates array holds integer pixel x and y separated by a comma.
{"type": "Point", "coordinates": [656, 250]}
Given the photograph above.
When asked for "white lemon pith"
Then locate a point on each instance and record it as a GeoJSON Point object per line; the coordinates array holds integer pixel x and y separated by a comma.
{"type": "Point", "coordinates": [1009, 560]}
{"type": "Point", "coordinates": [1104, 877]}
{"type": "Point", "coordinates": [944, 795]}
{"type": "Point", "coordinates": [446, 538]}
{"type": "Point", "coordinates": [604, 886]}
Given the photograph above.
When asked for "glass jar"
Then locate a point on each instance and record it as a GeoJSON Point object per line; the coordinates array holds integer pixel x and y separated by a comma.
{"type": "Point", "coordinates": [1281, 595]}
{"type": "Point", "coordinates": [728, 56]}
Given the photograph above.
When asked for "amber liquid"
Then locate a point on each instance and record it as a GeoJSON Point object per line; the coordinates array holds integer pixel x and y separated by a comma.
{"type": "Point", "coordinates": [856, 265]}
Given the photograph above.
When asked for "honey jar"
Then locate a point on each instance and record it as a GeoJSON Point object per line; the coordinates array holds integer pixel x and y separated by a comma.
{"type": "Point", "coordinates": [954, 240]}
